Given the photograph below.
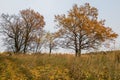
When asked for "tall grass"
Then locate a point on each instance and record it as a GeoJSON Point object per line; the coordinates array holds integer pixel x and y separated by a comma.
{"type": "Point", "coordinates": [97, 66]}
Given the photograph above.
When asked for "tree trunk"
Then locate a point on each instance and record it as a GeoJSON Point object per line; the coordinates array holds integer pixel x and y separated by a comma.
{"type": "Point", "coordinates": [37, 48]}
{"type": "Point", "coordinates": [80, 44]}
{"type": "Point", "coordinates": [79, 52]}
{"type": "Point", "coordinates": [76, 47]}
{"type": "Point", "coordinates": [25, 47]}
{"type": "Point", "coordinates": [76, 52]}
{"type": "Point", "coordinates": [26, 40]}
{"type": "Point", "coordinates": [50, 49]}
{"type": "Point", "coordinates": [17, 49]}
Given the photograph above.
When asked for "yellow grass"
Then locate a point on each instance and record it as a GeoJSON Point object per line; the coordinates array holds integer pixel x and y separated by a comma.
{"type": "Point", "coordinates": [95, 66]}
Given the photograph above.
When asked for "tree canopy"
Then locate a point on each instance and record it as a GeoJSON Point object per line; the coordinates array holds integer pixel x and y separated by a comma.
{"type": "Point", "coordinates": [80, 29]}
{"type": "Point", "coordinates": [20, 30]}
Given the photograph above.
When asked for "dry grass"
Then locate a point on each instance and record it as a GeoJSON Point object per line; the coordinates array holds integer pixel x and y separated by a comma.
{"type": "Point", "coordinates": [97, 66]}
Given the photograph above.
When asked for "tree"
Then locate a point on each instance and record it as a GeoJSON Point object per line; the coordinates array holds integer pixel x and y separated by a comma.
{"type": "Point", "coordinates": [33, 22]}
{"type": "Point", "coordinates": [80, 29]}
{"type": "Point", "coordinates": [51, 41]}
{"type": "Point", "coordinates": [12, 30]}
{"type": "Point", "coordinates": [21, 31]}
{"type": "Point", "coordinates": [39, 41]}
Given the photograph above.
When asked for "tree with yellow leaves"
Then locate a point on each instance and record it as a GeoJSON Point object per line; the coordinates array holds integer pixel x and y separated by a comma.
{"type": "Point", "coordinates": [80, 29]}
{"type": "Point", "coordinates": [22, 31]}
{"type": "Point", "coordinates": [33, 22]}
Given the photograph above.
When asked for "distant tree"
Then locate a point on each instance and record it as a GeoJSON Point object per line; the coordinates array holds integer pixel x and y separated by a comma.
{"type": "Point", "coordinates": [80, 29]}
{"type": "Point", "coordinates": [38, 42]}
{"type": "Point", "coordinates": [22, 31]}
{"type": "Point", "coordinates": [51, 41]}
{"type": "Point", "coordinates": [33, 22]}
{"type": "Point", "coordinates": [12, 30]}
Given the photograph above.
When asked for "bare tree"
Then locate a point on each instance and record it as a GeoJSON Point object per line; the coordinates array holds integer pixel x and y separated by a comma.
{"type": "Point", "coordinates": [11, 28]}
{"type": "Point", "coordinates": [51, 41]}
{"type": "Point", "coordinates": [39, 41]}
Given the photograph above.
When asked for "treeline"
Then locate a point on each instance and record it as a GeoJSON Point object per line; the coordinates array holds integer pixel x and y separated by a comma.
{"type": "Point", "coordinates": [79, 29]}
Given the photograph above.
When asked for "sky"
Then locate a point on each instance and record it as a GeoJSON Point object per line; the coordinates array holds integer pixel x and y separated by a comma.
{"type": "Point", "coordinates": [108, 10]}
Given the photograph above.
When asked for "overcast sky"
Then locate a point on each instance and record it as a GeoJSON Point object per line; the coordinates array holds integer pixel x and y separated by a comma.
{"type": "Point", "coordinates": [108, 10]}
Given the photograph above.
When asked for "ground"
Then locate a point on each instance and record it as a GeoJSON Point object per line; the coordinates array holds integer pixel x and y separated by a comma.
{"type": "Point", "coordinates": [92, 66]}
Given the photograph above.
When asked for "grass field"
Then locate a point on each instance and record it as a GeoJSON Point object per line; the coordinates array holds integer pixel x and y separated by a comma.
{"type": "Point", "coordinates": [94, 66]}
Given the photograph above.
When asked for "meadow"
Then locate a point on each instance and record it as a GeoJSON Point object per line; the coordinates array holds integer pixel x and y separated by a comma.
{"type": "Point", "coordinates": [92, 66]}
